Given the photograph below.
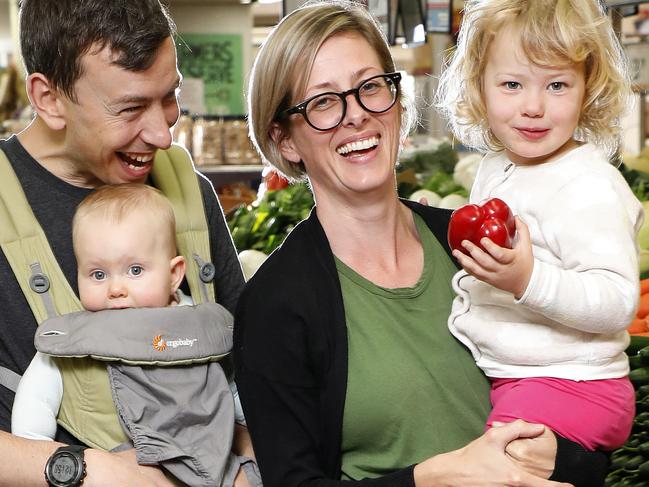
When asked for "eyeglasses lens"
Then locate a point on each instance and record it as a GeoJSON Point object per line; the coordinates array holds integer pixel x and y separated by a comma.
{"type": "Point", "coordinates": [376, 95]}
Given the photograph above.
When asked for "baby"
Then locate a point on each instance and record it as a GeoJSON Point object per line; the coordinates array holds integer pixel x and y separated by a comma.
{"type": "Point", "coordinates": [124, 240]}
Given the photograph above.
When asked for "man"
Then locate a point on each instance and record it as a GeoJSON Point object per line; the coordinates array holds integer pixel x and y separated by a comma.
{"type": "Point", "coordinates": [103, 82]}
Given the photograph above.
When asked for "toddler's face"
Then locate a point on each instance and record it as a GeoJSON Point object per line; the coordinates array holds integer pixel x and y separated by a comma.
{"type": "Point", "coordinates": [533, 111]}
{"type": "Point", "coordinates": [128, 264]}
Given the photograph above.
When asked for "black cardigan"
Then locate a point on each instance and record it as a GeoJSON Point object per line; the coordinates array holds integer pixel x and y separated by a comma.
{"type": "Point", "coordinates": [290, 355]}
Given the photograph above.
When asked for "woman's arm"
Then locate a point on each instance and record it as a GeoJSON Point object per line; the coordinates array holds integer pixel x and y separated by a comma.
{"type": "Point", "coordinates": [483, 462]}
{"type": "Point", "coordinates": [567, 461]}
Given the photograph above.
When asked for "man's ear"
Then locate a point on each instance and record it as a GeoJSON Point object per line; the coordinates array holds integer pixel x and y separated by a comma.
{"type": "Point", "coordinates": [177, 268]}
{"type": "Point", "coordinates": [284, 143]}
{"type": "Point", "coordinates": [46, 101]}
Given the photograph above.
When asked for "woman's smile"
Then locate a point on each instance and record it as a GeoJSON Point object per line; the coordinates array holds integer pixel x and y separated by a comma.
{"type": "Point", "coordinates": [358, 147]}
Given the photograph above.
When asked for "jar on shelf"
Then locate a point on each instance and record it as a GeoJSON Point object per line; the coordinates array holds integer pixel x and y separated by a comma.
{"type": "Point", "coordinates": [235, 135]}
{"type": "Point", "coordinates": [182, 131]}
{"type": "Point", "coordinates": [250, 155]}
{"type": "Point", "coordinates": [207, 140]}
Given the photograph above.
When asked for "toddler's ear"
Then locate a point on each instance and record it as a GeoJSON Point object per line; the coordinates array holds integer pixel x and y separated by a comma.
{"type": "Point", "coordinates": [177, 268]}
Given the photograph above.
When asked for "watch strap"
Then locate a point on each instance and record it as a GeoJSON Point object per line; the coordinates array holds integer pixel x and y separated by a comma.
{"type": "Point", "coordinates": [72, 448]}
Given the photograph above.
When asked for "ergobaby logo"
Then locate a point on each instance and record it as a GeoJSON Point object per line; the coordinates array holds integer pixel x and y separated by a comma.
{"type": "Point", "coordinates": [160, 344]}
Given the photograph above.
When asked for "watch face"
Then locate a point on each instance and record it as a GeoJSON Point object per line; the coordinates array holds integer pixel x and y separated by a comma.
{"type": "Point", "coordinates": [64, 469]}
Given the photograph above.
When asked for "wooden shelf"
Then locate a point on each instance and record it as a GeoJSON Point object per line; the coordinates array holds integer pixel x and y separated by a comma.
{"type": "Point", "coordinates": [231, 168]}
{"type": "Point", "coordinates": [231, 173]}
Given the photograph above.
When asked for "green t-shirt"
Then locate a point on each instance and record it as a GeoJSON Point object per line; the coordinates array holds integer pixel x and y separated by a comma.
{"type": "Point", "coordinates": [413, 391]}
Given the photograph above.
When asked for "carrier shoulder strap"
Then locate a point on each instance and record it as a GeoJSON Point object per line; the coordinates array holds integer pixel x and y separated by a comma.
{"type": "Point", "coordinates": [28, 252]}
{"type": "Point", "coordinates": [173, 174]}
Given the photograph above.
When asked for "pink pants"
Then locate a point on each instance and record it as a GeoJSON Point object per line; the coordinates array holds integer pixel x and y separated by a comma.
{"type": "Point", "coordinates": [597, 414]}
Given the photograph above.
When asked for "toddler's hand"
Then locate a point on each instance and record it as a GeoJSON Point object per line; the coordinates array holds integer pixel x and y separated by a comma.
{"type": "Point", "coordinates": [506, 269]}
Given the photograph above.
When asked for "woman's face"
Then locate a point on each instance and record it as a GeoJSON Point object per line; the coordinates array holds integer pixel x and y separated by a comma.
{"type": "Point", "coordinates": [358, 156]}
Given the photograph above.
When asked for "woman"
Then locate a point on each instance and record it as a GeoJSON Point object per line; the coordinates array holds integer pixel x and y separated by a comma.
{"type": "Point", "coordinates": [344, 363]}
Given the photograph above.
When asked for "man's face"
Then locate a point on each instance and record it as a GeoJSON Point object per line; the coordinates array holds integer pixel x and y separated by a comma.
{"type": "Point", "coordinates": [120, 118]}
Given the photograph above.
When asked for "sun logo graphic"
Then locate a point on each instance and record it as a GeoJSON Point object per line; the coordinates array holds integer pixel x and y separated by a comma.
{"type": "Point", "coordinates": [159, 343]}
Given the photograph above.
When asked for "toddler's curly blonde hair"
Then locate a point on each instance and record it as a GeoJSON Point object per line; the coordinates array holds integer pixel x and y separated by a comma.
{"type": "Point", "coordinates": [552, 33]}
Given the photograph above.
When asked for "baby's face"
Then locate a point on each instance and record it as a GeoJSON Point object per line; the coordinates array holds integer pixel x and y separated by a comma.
{"type": "Point", "coordinates": [128, 264]}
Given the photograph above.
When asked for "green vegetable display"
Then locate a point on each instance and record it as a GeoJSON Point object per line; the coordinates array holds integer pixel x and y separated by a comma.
{"type": "Point", "coordinates": [264, 226]}
{"type": "Point", "coordinates": [433, 166]}
{"type": "Point", "coordinates": [443, 184]}
{"type": "Point", "coordinates": [630, 464]}
{"type": "Point", "coordinates": [428, 160]}
{"type": "Point", "coordinates": [638, 181]}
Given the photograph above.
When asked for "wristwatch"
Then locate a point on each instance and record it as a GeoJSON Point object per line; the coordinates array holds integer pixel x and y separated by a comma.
{"type": "Point", "coordinates": [66, 467]}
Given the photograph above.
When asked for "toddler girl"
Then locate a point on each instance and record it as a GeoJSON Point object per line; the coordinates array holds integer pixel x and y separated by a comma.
{"type": "Point", "coordinates": [540, 86]}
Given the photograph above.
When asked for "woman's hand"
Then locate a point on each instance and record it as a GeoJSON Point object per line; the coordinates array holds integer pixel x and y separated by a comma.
{"type": "Point", "coordinates": [536, 455]}
{"type": "Point", "coordinates": [506, 269]}
{"type": "Point", "coordinates": [484, 462]}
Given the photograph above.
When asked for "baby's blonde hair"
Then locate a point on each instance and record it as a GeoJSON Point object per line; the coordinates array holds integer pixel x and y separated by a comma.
{"type": "Point", "coordinates": [551, 33]}
{"type": "Point", "coordinates": [113, 203]}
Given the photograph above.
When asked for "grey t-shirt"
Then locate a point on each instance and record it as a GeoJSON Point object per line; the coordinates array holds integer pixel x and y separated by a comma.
{"type": "Point", "coordinates": [54, 202]}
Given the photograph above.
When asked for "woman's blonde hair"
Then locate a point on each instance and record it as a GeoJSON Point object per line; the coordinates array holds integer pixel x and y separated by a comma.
{"type": "Point", "coordinates": [114, 203]}
{"type": "Point", "coordinates": [551, 33]}
{"type": "Point", "coordinates": [280, 72]}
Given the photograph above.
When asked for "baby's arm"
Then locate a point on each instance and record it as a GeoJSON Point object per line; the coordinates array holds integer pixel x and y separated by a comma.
{"type": "Point", "coordinates": [37, 400]}
{"type": "Point", "coordinates": [239, 418]}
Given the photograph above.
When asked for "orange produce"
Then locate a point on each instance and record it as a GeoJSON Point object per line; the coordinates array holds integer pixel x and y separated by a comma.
{"type": "Point", "coordinates": [640, 325]}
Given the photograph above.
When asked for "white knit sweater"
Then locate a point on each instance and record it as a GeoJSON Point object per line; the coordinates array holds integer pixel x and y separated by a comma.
{"type": "Point", "coordinates": [570, 322]}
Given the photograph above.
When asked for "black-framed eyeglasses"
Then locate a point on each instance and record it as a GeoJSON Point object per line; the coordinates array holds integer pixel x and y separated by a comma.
{"type": "Point", "coordinates": [326, 111]}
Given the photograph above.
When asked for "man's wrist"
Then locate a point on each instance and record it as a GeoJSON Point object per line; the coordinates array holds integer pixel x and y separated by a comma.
{"type": "Point", "coordinates": [66, 467]}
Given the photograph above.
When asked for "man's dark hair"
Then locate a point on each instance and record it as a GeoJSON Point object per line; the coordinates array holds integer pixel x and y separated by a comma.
{"type": "Point", "coordinates": [55, 34]}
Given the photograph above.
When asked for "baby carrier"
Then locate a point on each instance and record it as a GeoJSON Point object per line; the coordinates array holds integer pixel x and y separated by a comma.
{"type": "Point", "coordinates": [109, 355]}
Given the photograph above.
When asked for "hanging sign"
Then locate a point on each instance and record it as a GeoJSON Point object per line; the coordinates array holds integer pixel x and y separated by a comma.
{"type": "Point", "coordinates": [438, 16]}
{"type": "Point", "coordinates": [217, 60]}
